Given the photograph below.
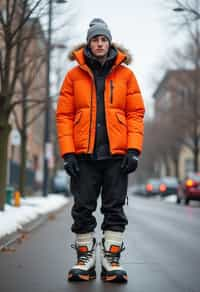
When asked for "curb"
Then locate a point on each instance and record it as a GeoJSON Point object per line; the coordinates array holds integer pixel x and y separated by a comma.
{"type": "Point", "coordinates": [10, 239]}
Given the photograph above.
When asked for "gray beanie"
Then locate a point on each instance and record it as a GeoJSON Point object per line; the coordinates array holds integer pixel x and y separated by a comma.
{"type": "Point", "coordinates": [98, 27]}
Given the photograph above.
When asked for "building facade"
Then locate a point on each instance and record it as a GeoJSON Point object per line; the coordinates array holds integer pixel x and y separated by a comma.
{"type": "Point", "coordinates": [175, 106]}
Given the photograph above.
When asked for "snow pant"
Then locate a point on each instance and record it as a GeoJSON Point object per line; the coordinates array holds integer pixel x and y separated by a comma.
{"type": "Point", "coordinates": [105, 177]}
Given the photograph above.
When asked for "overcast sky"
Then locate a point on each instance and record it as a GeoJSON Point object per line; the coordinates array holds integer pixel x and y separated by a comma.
{"type": "Point", "coordinates": [141, 26]}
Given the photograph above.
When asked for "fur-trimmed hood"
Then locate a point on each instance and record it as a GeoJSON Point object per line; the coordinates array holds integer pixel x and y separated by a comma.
{"type": "Point", "coordinates": [126, 60]}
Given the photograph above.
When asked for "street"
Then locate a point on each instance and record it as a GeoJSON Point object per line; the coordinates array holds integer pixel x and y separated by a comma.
{"type": "Point", "coordinates": [162, 253]}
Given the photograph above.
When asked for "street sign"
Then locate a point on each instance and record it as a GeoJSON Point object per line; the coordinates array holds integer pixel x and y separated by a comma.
{"type": "Point", "coordinates": [15, 137]}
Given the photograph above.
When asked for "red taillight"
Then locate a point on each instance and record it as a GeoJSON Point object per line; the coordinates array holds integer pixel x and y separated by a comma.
{"type": "Point", "coordinates": [149, 187]}
{"type": "Point", "coordinates": [163, 188]}
{"type": "Point", "coordinates": [189, 183]}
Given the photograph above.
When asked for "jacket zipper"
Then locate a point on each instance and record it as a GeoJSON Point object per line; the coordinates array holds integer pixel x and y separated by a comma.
{"type": "Point", "coordinates": [90, 118]}
{"type": "Point", "coordinates": [111, 91]}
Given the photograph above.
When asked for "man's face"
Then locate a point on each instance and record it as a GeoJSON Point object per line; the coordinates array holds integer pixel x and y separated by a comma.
{"type": "Point", "coordinates": [99, 46]}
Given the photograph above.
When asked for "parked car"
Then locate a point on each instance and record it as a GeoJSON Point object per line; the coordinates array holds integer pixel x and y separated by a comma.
{"type": "Point", "coordinates": [189, 189]}
{"type": "Point", "coordinates": [168, 186]}
{"type": "Point", "coordinates": [60, 183]}
{"type": "Point", "coordinates": [152, 187]}
{"type": "Point", "coordinates": [163, 186]}
{"type": "Point", "coordinates": [138, 190]}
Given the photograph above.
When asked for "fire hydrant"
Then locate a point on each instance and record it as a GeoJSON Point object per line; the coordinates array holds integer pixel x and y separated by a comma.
{"type": "Point", "coordinates": [17, 197]}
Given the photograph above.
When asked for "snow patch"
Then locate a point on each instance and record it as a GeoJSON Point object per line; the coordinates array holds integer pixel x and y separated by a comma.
{"type": "Point", "coordinates": [12, 218]}
{"type": "Point", "coordinates": [170, 199]}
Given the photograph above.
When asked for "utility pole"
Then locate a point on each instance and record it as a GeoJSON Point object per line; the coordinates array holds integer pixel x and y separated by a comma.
{"type": "Point", "coordinates": [47, 121]}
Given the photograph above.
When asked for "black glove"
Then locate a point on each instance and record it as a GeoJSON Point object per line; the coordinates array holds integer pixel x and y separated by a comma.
{"type": "Point", "coordinates": [71, 164]}
{"type": "Point", "coordinates": [130, 161]}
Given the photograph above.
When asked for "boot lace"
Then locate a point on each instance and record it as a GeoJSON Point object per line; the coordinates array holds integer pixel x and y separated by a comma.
{"type": "Point", "coordinates": [83, 256]}
{"type": "Point", "coordinates": [113, 258]}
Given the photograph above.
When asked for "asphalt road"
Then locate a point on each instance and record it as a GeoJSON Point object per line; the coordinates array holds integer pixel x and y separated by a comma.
{"type": "Point", "coordinates": [162, 253]}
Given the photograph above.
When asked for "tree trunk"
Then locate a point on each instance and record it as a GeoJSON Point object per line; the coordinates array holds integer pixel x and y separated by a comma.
{"type": "Point", "coordinates": [4, 134]}
{"type": "Point", "coordinates": [167, 168]}
{"type": "Point", "coordinates": [22, 175]}
{"type": "Point", "coordinates": [176, 167]}
{"type": "Point", "coordinates": [175, 159]}
{"type": "Point", "coordinates": [196, 159]}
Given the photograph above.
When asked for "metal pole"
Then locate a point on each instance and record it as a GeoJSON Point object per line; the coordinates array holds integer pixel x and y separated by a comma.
{"type": "Point", "coordinates": [47, 121]}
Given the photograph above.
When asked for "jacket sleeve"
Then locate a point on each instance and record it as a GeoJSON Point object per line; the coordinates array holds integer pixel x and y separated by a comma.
{"type": "Point", "coordinates": [135, 114]}
{"type": "Point", "coordinates": [65, 117]}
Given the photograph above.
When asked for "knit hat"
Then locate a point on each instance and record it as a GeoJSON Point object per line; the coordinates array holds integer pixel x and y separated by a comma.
{"type": "Point", "coordinates": [98, 27]}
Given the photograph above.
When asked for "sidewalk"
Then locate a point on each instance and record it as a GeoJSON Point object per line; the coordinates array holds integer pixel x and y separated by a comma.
{"type": "Point", "coordinates": [32, 212]}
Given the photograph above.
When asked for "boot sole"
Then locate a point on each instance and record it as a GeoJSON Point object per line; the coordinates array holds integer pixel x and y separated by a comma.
{"type": "Point", "coordinates": [79, 275]}
{"type": "Point", "coordinates": [114, 277]}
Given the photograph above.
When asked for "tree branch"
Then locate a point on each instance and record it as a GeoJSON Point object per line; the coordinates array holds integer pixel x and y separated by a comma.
{"type": "Point", "coordinates": [16, 119]}
{"type": "Point", "coordinates": [35, 117]}
{"type": "Point", "coordinates": [25, 17]}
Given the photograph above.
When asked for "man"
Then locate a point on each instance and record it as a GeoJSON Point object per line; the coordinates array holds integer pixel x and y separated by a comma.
{"type": "Point", "coordinates": [100, 131]}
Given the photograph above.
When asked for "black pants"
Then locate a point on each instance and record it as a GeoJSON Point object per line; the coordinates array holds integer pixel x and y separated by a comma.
{"type": "Point", "coordinates": [105, 177]}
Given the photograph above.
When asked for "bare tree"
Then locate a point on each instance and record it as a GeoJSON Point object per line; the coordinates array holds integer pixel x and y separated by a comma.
{"type": "Point", "coordinates": [186, 105]}
{"type": "Point", "coordinates": [186, 111]}
{"type": "Point", "coordinates": [14, 43]}
{"type": "Point", "coordinates": [192, 95]}
{"type": "Point", "coordinates": [168, 136]}
{"type": "Point", "coordinates": [146, 167]}
{"type": "Point", "coordinates": [31, 99]}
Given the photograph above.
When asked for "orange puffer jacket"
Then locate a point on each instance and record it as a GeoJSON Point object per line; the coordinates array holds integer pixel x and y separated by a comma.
{"type": "Point", "coordinates": [76, 108]}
